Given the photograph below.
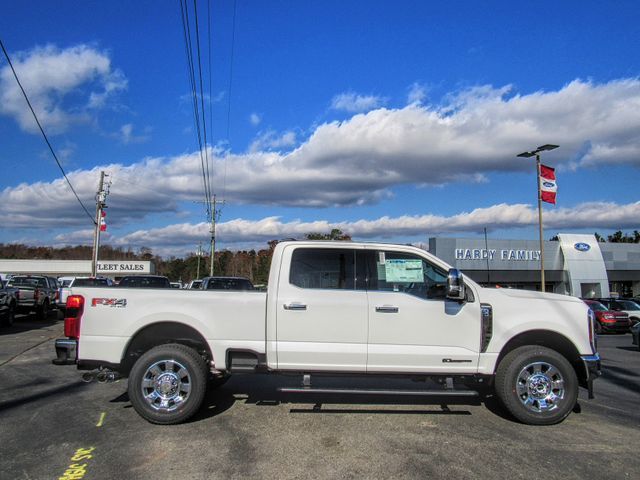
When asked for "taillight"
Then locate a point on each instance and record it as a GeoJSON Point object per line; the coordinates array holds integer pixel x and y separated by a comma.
{"type": "Point", "coordinates": [74, 309]}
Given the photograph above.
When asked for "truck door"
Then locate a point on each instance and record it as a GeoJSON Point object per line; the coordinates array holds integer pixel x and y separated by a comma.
{"type": "Point", "coordinates": [412, 326]}
{"type": "Point", "coordinates": [321, 315]}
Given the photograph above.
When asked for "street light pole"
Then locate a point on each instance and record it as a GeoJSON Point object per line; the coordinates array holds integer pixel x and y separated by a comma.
{"type": "Point", "coordinates": [536, 153]}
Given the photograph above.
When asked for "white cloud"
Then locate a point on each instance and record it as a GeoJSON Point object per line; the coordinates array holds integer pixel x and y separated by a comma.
{"type": "Point", "coordinates": [417, 94]}
{"type": "Point", "coordinates": [601, 215]}
{"type": "Point", "coordinates": [271, 140]}
{"type": "Point", "coordinates": [359, 160]}
{"type": "Point", "coordinates": [49, 75]}
{"type": "Point", "coordinates": [255, 119]}
{"type": "Point", "coordinates": [126, 135]}
{"type": "Point", "coordinates": [353, 103]}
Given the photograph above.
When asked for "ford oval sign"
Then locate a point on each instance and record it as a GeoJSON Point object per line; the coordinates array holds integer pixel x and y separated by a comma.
{"type": "Point", "coordinates": [548, 184]}
{"type": "Point", "coordinates": [582, 247]}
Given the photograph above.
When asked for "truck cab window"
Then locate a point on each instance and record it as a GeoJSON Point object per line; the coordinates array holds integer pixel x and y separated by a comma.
{"type": "Point", "coordinates": [408, 273]}
{"type": "Point", "coordinates": [324, 268]}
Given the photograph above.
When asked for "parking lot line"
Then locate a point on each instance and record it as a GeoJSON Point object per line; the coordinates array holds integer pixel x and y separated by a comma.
{"type": "Point", "coordinates": [101, 421]}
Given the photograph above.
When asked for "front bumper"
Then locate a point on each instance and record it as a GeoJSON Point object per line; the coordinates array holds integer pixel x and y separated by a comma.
{"type": "Point", "coordinates": [593, 369]}
{"type": "Point", "coordinates": [66, 351]}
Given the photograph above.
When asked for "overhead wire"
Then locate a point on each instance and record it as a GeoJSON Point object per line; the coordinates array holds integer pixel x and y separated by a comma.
{"type": "Point", "coordinates": [184, 10]}
{"type": "Point", "coordinates": [46, 139]}
{"type": "Point", "coordinates": [203, 111]}
{"type": "Point", "coordinates": [233, 43]}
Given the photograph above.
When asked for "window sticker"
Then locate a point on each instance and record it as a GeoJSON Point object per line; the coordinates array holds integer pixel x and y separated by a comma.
{"type": "Point", "coordinates": [404, 270]}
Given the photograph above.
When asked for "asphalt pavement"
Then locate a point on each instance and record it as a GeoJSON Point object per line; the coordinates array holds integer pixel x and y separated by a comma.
{"type": "Point", "coordinates": [52, 425]}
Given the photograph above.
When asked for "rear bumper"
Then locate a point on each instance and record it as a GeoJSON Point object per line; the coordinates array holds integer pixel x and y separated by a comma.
{"type": "Point", "coordinates": [66, 351]}
{"type": "Point", "coordinates": [593, 369]}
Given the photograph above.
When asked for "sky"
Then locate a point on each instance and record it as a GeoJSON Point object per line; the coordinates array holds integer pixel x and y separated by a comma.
{"type": "Point", "coordinates": [393, 121]}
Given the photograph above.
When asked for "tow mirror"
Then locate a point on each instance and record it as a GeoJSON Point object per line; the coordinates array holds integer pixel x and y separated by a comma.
{"type": "Point", "coordinates": [455, 285]}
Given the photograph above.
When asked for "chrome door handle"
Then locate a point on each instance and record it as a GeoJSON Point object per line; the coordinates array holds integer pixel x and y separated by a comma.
{"type": "Point", "coordinates": [295, 306]}
{"type": "Point", "coordinates": [387, 309]}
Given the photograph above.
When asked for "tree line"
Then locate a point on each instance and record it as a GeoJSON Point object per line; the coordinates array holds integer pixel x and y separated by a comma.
{"type": "Point", "coordinates": [616, 237]}
{"type": "Point", "coordinates": [252, 264]}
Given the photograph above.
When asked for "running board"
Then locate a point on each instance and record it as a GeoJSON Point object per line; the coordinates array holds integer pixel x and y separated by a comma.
{"type": "Point", "coordinates": [349, 391]}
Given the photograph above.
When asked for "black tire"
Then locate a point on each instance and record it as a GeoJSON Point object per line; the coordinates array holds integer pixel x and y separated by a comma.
{"type": "Point", "coordinates": [42, 311]}
{"type": "Point", "coordinates": [537, 385]}
{"type": "Point", "coordinates": [167, 384]}
{"type": "Point", "coordinates": [9, 318]}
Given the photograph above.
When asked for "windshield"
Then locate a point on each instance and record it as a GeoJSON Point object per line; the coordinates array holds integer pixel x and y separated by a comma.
{"type": "Point", "coordinates": [27, 282]}
{"type": "Point", "coordinates": [628, 305]}
{"type": "Point", "coordinates": [229, 284]}
{"type": "Point", "coordinates": [597, 307]}
{"type": "Point", "coordinates": [90, 282]}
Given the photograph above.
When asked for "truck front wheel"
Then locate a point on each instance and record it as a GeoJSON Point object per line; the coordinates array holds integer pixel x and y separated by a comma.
{"type": "Point", "coordinates": [168, 383]}
{"type": "Point", "coordinates": [537, 385]}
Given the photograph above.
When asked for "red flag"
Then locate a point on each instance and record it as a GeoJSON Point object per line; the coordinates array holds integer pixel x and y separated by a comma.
{"type": "Point", "coordinates": [103, 223]}
{"type": "Point", "coordinates": [548, 186]}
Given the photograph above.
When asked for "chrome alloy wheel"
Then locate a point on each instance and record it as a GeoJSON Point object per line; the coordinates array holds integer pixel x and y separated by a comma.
{"type": "Point", "coordinates": [166, 385]}
{"type": "Point", "coordinates": [540, 387]}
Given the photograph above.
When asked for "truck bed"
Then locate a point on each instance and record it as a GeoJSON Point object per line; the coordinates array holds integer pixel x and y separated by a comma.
{"type": "Point", "coordinates": [226, 319]}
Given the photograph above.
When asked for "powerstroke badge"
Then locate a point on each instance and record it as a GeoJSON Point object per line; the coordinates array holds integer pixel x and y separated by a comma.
{"type": "Point", "coordinates": [109, 302]}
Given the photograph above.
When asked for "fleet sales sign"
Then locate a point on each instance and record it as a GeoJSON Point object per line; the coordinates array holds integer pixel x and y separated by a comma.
{"type": "Point", "coordinates": [124, 267]}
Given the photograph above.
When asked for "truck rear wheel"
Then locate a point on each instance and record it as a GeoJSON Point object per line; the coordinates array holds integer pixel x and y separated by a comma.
{"type": "Point", "coordinates": [537, 385]}
{"type": "Point", "coordinates": [42, 311]}
{"type": "Point", "coordinates": [7, 321]}
{"type": "Point", "coordinates": [168, 383]}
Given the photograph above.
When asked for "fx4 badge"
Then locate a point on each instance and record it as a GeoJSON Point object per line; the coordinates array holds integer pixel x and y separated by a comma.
{"type": "Point", "coordinates": [109, 302]}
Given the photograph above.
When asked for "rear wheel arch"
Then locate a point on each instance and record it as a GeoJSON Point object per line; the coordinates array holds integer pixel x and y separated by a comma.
{"type": "Point", "coordinates": [550, 339]}
{"type": "Point", "coordinates": [162, 333]}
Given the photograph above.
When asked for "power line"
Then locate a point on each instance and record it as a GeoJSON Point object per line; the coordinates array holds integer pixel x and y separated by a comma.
{"type": "Point", "coordinates": [184, 9]}
{"type": "Point", "coordinates": [233, 43]}
{"type": "Point", "coordinates": [44, 134]}
{"type": "Point", "coordinates": [204, 122]}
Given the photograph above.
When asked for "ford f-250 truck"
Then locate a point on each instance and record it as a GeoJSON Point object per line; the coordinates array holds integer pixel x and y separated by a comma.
{"type": "Point", "coordinates": [339, 308]}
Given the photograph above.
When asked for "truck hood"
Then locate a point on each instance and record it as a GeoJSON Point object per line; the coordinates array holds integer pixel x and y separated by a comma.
{"type": "Point", "coordinates": [526, 294]}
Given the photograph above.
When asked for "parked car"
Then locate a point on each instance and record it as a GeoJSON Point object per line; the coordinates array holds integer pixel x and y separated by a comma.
{"type": "Point", "coordinates": [226, 283]}
{"type": "Point", "coordinates": [176, 285]}
{"type": "Point", "coordinates": [38, 293]}
{"type": "Point", "coordinates": [144, 281]}
{"type": "Point", "coordinates": [635, 335]}
{"type": "Point", "coordinates": [8, 304]}
{"type": "Point", "coordinates": [629, 307]}
{"type": "Point", "coordinates": [608, 320]}
{"type": "Point", "coordinates": [67, 283]}
{"type": "Point", "coordinates": [194, 285]}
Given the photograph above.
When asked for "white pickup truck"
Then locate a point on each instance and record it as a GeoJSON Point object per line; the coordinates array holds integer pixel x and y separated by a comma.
{"type": "Point", "coordinates": [345, 309]}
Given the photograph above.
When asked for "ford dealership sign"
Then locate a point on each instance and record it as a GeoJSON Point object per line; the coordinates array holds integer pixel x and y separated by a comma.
{"type": "Point", "coordinates": [582, 247]}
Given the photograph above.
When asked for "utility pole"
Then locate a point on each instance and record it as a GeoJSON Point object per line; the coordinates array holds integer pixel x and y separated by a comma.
{"type": "Point", "coordinates": [215, 216]}
{"type": "Point", "coordinates": [199, 254]}
{"type": "Point", "coordinates": [215, 213]}
{"type": "Point", "coordinates": [101, 197]}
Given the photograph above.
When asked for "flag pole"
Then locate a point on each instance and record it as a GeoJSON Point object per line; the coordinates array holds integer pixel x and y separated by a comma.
{"type": "Point", "coordinates": [536, 153]}
{"type": "Point", "coordinates": [542, 282]}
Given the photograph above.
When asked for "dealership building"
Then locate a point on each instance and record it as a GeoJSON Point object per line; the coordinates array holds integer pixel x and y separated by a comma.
{"type": "Point", "coordinates": [574, 265]}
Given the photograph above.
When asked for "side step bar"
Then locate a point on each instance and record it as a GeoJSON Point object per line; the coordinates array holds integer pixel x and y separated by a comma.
{"type": "Point", "coordinates": [348, 391]}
